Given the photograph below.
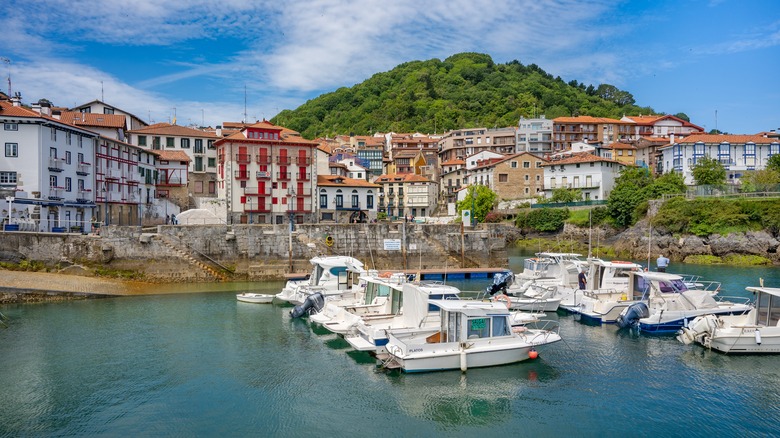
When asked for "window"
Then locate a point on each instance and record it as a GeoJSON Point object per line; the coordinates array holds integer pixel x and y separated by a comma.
{"type": "Point", "coordinates": [141, 140]}
{"type": "Point", "coordinates": [86, 110]}
{"type": "Point", "coordinates": [198, 146]}
{"type": "Point", "coordinates": [52, 181]}
{"type": "Point", "coordinates": [67, 183]}
{"type": "Point", "coordinates": [528, 177]}
{"type": "Point", "coordinates": [211, 144]}
{"type": "Point", "coordinates": [212, 162]}
{"type": "Point", "coordinates": [355, 201]}
{"type": "Point", "coordinates": [81, 141]}
{"type": "Point", "coordinates": [10, 127]}
{"type": "Point", "coordinates": [212, 187]}
{"type": "Point", "coordinates": [169, 142]}
{"type": "Point", "coordinates": [11, 149]}
{"type": "Point", "coordinates": [68, 137]}
{"type": "Point", "coordinates": [185, 143]}
{"type": "Point", "coordinates": [8, 178]}
{"type": "Point", "coordinates": [80, 158]}
{"type": "Point", "coordinates": [199, 164]}
{"type": "Point", "coordinates": [156, 143]}
{"type": "Point", "coordinates": [323, 199]}
{"type": "Point", "coordinates": [67, 157]}
{"type": "Point", "coordinates": [198, 186]}
{"type": "Point", "coordinates": [369, 200]}
{"type": "Point", "coordinates": [526, 164]}
{"type": "Point", "coordinates": [53, 134]}
{"type": "Point", "coordinates": [514, 165]}
{"type": "Point", "coordinates": [502, 177]}
{"type": "Point", "coordinates": [107, 110]}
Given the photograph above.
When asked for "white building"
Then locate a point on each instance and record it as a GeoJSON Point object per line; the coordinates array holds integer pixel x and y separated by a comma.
{"type": "Point", "coordinates": [346, 200]}
{"type": "Point", "coordinates": [737, 153]}
{"type": "Point", "coordinates": [47, 176]}
{"type": "Point", "coordinates": [354, 170]}
{"type": "Point", "coordinates": [593, 176]}
{"type": "Point", "coordinates": [534, 135]}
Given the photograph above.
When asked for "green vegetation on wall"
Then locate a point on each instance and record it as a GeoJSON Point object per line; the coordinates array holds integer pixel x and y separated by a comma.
{"type": "Point", "coordinates": [465, 90]}
{"type": "Point", "coordinates": [705, 216]}
{"type": "Point", "coordinates": [543, 219]}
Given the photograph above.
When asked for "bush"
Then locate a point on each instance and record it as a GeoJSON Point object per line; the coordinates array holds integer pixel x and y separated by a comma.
{"type": "Point", "coordinates": [543, 219]}
{"type": "Point", "coordinates": [494, 218]}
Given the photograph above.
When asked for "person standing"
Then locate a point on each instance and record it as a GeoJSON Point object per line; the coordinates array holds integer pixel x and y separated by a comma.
{"type": "Point", "coordinates": [662, 263]}
{"type": "Point", "coordinates": [582, 280]}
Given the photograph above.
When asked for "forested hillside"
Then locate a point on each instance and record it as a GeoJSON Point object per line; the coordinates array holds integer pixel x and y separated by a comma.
{"type": "Point", "coordinates": [465, 90]}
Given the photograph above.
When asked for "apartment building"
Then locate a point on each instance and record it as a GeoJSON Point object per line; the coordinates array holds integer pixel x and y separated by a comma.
{"type": "Point", "coordinates": [594, 176]}
{"type": "Point", "coordinates": [518, 176]}
{"type": "Point", "coordinates": [461, 143]}
{"type": "Point", "coordinates": [534, 136]}
{"type": "Point", "coordinates": [661, 126]}
{"type": "Point", "coordinates": [406, 194]}
{"type": "Point", "coordinates": [267, 174]}
{"type": "Point", "coordinates": [346, 200]}
{"type": "Point", "coordinates": [568, 130]}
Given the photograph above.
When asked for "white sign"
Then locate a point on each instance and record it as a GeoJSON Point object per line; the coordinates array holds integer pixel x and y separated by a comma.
{"type": "Point", "coordinates": [466, 217]}
{"type": "Point", "coordinates": [392, 244]}
{"type": "Point", "coordinates": [412, 246]}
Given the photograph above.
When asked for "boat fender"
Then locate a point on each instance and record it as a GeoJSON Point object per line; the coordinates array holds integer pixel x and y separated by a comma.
{"type": "Point", "coordinates": [758, 337]}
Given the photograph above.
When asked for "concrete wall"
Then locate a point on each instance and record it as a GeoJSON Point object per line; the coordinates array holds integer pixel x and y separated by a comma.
{"type": "Point", "coordinates": [263, 251]}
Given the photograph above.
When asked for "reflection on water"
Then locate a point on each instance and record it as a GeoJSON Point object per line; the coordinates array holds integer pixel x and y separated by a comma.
{"type": "Point", "coordinates": [204, 364]}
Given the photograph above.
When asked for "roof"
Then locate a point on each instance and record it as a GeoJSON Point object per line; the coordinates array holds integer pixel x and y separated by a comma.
{"type": "Point", "coordinates": [174, 130]}
{"type": "Point", "coordinates": [581, 157]}
{"type": "Point", "coordinates": [726, 138]}
{"type": "Point", "coordinates": [89, 104]}
{"type": "Point", "coordinates": [94, 120]}
{"type": "Point", "coordinates": [401, 177]}
{"type": "Point", "coordinates": [589, 119]}
{"type": "Point", "coordinates": [286, 136]}
{"type": "Point", "coordinates": [619, 145]}
{"type": "Point", "coordinates": [650, 120]}
{"type": "Point", "coordinates": [7, 109]}
{"type": "Point", "coordinates": [177, 155]}
{"type": "Point", "coordinates": [453, 162]}
{"type": "Point", "coordinates": [342, 181]}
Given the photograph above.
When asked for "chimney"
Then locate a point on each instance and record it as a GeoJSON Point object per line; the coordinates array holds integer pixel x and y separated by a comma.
{"type": "Point", "coordinates": [219, 130]}
{"type": "Point", "coordinates": [16, 99]}
{"type": "Point", "coordinates": [671, 138]}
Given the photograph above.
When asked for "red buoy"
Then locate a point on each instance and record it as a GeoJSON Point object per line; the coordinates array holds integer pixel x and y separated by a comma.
{"type": "Point", "coordinates": [533, 354]}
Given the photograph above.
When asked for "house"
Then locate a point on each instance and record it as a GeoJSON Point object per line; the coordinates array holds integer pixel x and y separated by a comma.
{"type": "Point", "coordinates": [99, 107]}
{"type": "Point", "coordinates": [453, 176]}
{"type": "Point", "coordinates": [346, 200]}
{"type": "Point", "coordinates": [534, 135]}
{"type": "Point", "coordinates": [125, 184]}
{"type": "Point", "coordinates": [648, 152]}
{"type": "Point", "coordinates": [172, 180]}
{"type": "Point", "coordinates": [623, 152]}
{"type": "Point", "coordinates": [266, 173]}
{"type": "Point", "coordinates": [354, 170]}
{"type": "Point", "coordinates": [568, 130]}
{"type": "Point", "coordinates": [47, 178]}
{"type": "Point", "coordinates": [461, 143]}
{"type": "Point", "coordinates": [594, 176]}
{"type": "Point", "coordinates": [661, 126]}
{"type": "Point", "coordinates": [518, 176]}
{"type": "Point", "coordinates": [737, 153]}
{"type": "Point", "coordinates": [113, 126]}
{"type": "Point", "coordinates": [406, 194]}
{"type": "Point", "coordinates": [199, 147]}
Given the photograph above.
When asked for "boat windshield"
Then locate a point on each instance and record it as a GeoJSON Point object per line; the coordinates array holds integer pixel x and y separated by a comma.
{"type": "Point", "coordinates": [672, 286]}
{"type": "Point", "coordinates": [768, 309]}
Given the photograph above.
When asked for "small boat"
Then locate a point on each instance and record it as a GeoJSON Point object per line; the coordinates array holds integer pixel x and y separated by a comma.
{"type": "Point", "coordinates": [471, 334]}
{"type": "Point", "coordinates": [247, 297]}
{"type": "Point", "coordinates": [668, 304]}
{"type": "Point", "coordinates": [331, 276]}
{"type": "Point", "coordinates": [755, 332]}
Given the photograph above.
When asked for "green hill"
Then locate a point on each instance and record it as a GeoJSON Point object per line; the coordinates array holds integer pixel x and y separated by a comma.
{"type": "Point", "coordinates": [465, 90]}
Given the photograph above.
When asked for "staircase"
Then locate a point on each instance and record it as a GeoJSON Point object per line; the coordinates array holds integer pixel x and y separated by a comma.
{"type": "Point", "coordinates": [192, 260]}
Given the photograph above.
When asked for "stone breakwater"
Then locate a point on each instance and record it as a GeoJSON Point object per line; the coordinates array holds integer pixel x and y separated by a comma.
{"type": "Point", "coordinates": [254, 252]}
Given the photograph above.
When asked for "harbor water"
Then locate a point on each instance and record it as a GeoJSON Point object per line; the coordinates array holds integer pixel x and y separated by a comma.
{"type": "Point", "coordinates": [203, 364]}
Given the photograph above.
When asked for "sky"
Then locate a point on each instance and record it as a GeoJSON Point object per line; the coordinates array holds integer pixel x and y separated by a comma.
{"type": "Point", "coordinates": [205, 62]}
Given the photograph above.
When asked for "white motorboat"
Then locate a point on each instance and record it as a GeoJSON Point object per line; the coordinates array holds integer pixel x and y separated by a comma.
{"type": "Point", "coordinates": [472, 334]}
{"type": "Point", "coordinates": [606, 294]}
{"type": "Point", "coordinates": [757, 331]}
{"type": "Point", "coordinates": [667, 304]}
{"type": "Point", "coordinates": [546, 265]}
{"type": "Point", "coordinates": [247, 297]}
{"type": "Point", "coordinates": [369, 332]}
{"type": "Point", "coordinates": [331, 276]}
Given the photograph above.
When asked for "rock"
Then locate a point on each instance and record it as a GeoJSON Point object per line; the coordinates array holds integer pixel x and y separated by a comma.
{"type": "Point", "coordinates": [11, 256]}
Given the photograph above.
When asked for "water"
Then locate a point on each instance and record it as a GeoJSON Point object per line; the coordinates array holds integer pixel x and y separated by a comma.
{"type": "Point", "coordinates": [202, 364]}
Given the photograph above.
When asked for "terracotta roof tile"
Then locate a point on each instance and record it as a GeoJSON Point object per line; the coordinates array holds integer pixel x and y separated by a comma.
{"type": "Point", "coordinates": [331, 181]}
{"type": "Point", "coordinates": [721, 138]}
{"type": "Point", "coordinates": [619, 145]}
{"type": "Point", "coordinates": [175, 130]}
{"type": "Point", "coordinates": [401, 177]}
{"type": "Point", "coordinates": [580, 157]}
{"type": "Point", "coordinates": [177, 155]}
{"type": "Point", "coordinates": [589, 119]}
{"type": "Point", "coordinates": [94, 120]}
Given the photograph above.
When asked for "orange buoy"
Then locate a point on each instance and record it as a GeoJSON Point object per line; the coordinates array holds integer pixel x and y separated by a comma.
{"type": "Point", "coordinates": [533, 354]}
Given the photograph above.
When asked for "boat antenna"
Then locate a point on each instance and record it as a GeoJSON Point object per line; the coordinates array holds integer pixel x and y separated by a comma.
{"type": "Point", "coordinates": [649, 239]}
{"type": "Point", "coordinates": [590, 234]}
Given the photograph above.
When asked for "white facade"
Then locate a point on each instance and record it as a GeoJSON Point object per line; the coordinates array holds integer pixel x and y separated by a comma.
{"type": "Point", "coordinates": [46, 166]}
{"type": "Point", "coordinates": [737, 153]}
{"type": "Point", "coordinates": [345, 200]}
{"type": "Point", "coordinates": [354, 170]}
{"type": "Point", "coordinates": [534, 135]}
{"type": "Point", "coordinates": [593, 176]}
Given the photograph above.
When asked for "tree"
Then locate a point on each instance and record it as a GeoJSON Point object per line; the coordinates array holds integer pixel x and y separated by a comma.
{"type": "Point", "coordinates": [708, 171]}
{"type": "Point", "coordinates": [563, 195]}
{"type": "Point", "coordinates": [628, 194]}
{"type": "Point", "coordinates": [484, 201]}
{"type": "Point", "coordinates": [760, 180]}
{"type": "Point", "coordinates": [773, 163]}
{"type": "Point", "coordinates": [683, 116]}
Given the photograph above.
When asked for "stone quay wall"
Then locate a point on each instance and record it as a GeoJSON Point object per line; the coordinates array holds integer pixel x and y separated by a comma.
{"type": "Point", "coordinates": [179, 252]}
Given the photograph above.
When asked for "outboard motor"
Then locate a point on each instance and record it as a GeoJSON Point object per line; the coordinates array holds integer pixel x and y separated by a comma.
{"type": "Point", "coordinates": [501, 281]}
{"type": "Point", "coordinates": [631, 315]}
{"type": "Point", "coordinates": [313, 304]}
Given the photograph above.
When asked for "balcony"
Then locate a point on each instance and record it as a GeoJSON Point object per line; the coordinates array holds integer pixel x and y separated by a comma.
{"type": "Point", "coordinates": [259, 205]}
{"type": "Point", "coordinates": [84, 196]}
{"type": "Point", "coordinates": [257, 191]}
{"type": "Point", "coordinates": [112, 173]}
{"type": "Point", "coordinates": [55, 193]}
{"type": "Point", "coordinates": [133, 178]}
{"type": "Point", "coordinates": [171, 181]}
{"type": "Point", "coordinates": [350, 207]}
{"type": "Point", "coordinates": [304, 207]}
{"type": "Point", "coordinates": [303, 176]}
{"type": "Point", "coordinates": [303, 161]}
{"type": "Point", "coordinates": [56, 165]}
{"type": "Point", "coordinates": [243, 158]}
{"type": "Point", "coordinates": [83, 169]}
{"type": "Point", "coordinates": [381, 194]}
{"type": "Point", "coordinates": [242, 174]}
{"type": "Point", "coordinates": [283, 160]}
{"type": "Point", "coordinates": [263, 159]}
{"type": "Point", "coordinates": [133, 197]}
{"type": "Point", "coordinates": [114, 197]}
{"type": "Point", "coordinates": [306, 191]}
{"type": "Point", "coordinates": [283, 176]}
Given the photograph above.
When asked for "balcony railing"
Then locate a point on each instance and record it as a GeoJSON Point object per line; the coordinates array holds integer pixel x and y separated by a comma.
{"type": "Point", "coordinates": [132, 197]}
{"type": "Point", "coordinates": [83, 169]}
{"type": "Point", "coordinates": [242, 174]}
{"type": "Point", "coordinates": [306, 191]}
{"type": "Point", "coordinates": [305, 161]}
{"type": "Point", "coordinates": [296, 208]}
{"type": "Point", "coordinates": [255, 191]}
{"type": "Point", "coordinates": [84, 195]}
{"type": "Point", "coordinates": [263, 159]}
{"type": "Point", "coordinates": [56, 165]}
{"type": "Point", "coordinates": [56, 192]}
{"type": "Point", "coordinates": [283, 176]}
{"type": "Point", "coordinates": [283, 160]}
{"type": "Point", "coordinates": [114, 197]}
{"type": "Point", "coordinates": [112, 173]}
{"type": "Point", "coordinates": [303, 176]}
{"type": "Point", "coordinates": [133, 178]}
{"type": "Point", "coordinates": [171, 181]}
{"type": "Point", "coordinates": [243, 158]}
{"type": "Point", "coordinates": [259, 205]}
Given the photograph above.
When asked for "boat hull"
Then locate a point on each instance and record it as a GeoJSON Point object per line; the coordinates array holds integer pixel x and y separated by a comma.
{"type": "Point", "coordinates": [255, 298]}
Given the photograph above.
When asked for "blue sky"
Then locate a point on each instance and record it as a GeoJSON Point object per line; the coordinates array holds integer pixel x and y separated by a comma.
{"type": "Point", "coordinates": [716, 60]}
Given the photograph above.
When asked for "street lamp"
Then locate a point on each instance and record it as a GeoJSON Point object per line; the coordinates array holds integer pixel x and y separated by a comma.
{"type": "Point", "coordinates": [290, 197]}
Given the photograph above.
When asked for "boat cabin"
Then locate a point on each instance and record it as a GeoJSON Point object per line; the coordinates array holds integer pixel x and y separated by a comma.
{"type": "Point", "coordinates": [341, 271]}
{"type": "Point", "coordinates": [767, 306]}
{"type": "Point", "coordinates": [464, 320]}
{"type": "Point", "coordinates": [547, 264]}
{"type": "Point", "coordinates": [610, 275]}
{"type": "Point", "coordinates": [645, 283]}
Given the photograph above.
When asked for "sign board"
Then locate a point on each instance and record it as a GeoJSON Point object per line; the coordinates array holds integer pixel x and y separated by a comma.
{"type": "Point", "coordinates": [466, 217]}
{"type": "Point", "coordinates": [412, 247]}
{"type": "Point", "coordinates": [392, 244]}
